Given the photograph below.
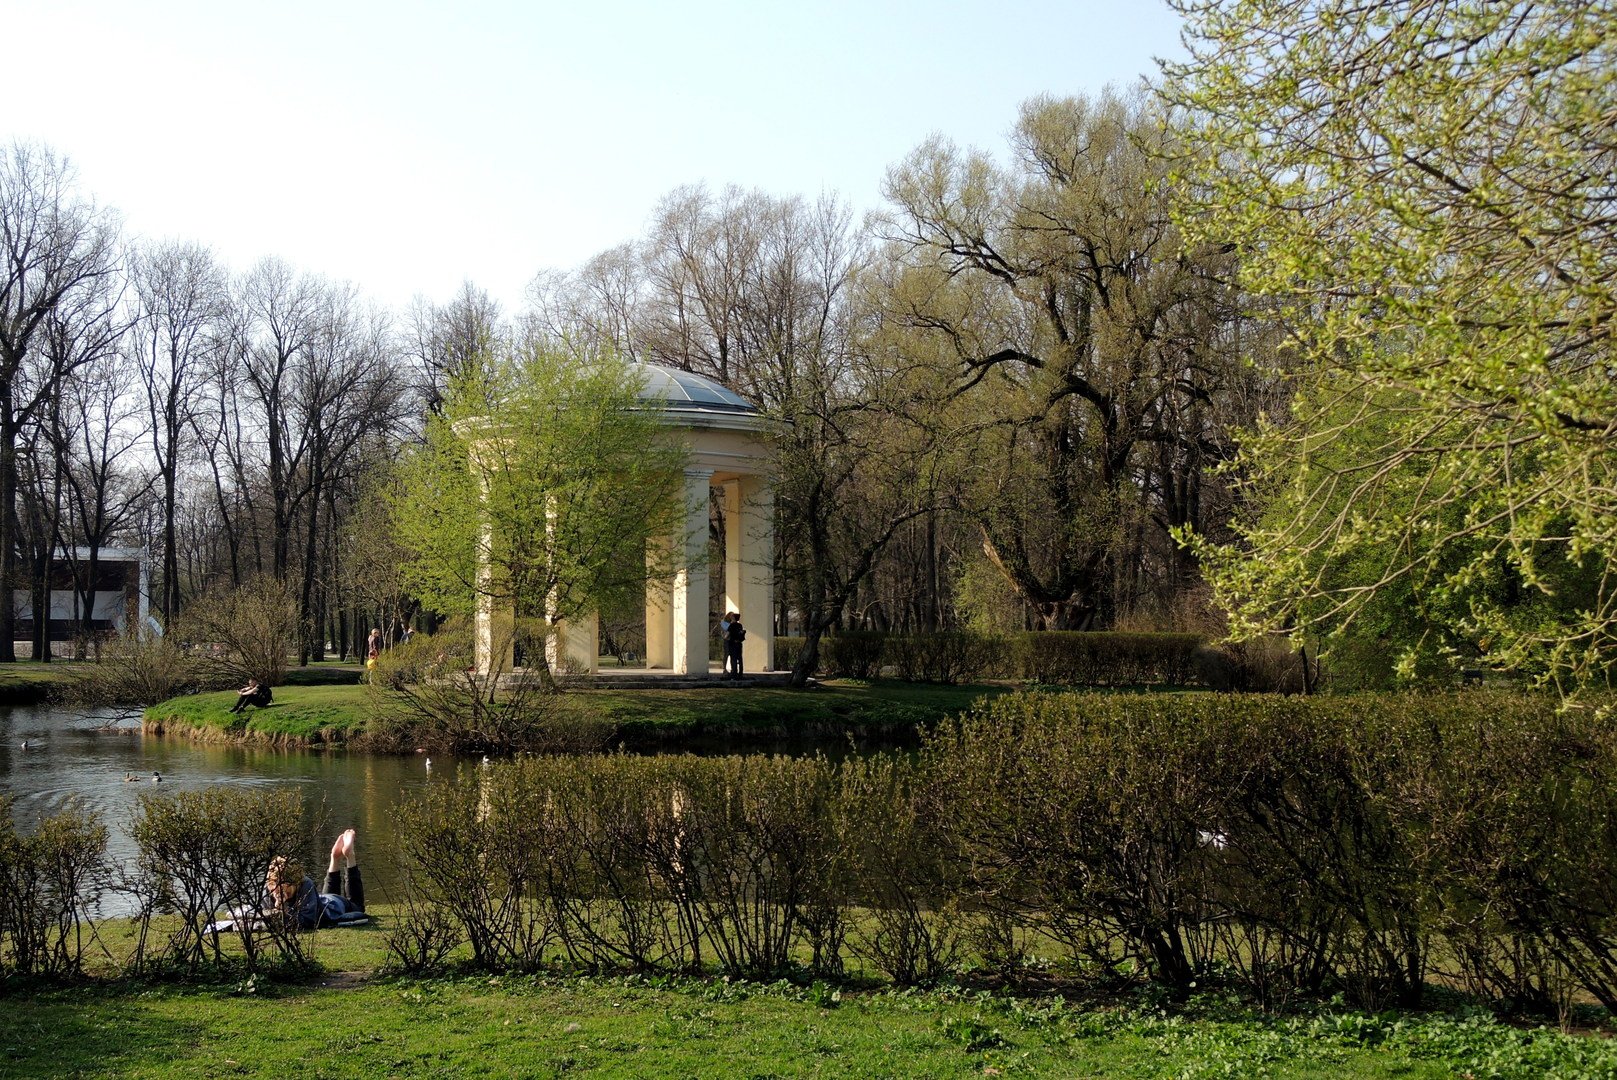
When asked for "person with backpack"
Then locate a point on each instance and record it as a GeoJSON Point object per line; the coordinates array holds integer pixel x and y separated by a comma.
{"type": "Point", "coordinates": [734, 635]}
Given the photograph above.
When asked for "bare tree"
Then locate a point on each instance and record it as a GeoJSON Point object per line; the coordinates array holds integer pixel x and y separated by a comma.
{"type": "Point", "coordinates": [452, 341]}
{"type": "Point", "coordinates": [351, 399]}
{"type": "Point", "coordinates": [178, 296]}
{"type": "Point", "coordinates": [58, 250]}
{"type": "Point", "coordinates": [96, 434]}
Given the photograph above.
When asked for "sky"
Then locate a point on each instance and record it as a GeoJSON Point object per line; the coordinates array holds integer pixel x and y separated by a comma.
{"type": "Point", "coordinates": [410, 146]}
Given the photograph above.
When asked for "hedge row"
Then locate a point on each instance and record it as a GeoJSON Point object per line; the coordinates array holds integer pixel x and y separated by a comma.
{"type": "Point", "coordinates": [1359, 843]}
{"type": "Point", "coordinates": [1300, 846]}
{"type": "Point", "coordinates": [1056, 658]}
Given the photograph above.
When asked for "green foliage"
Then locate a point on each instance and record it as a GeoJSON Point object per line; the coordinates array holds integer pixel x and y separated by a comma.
{"type": "Point", "coordinates": [608, 863]}
{"type": "Point", "coordinates": [948, 656]}
{"type": "Point", "coordinates": [1082, 346]}
{"type": "Point", "coordinates": [1421, 192]}
{"type": "Point", "coordinates": [1058, 658]}
{"type": "Point", "coordinates": [1107, 658]}
{"type": "Point", "coordinates": [1298, 846]}
{"type": "Point", "coordinates": [1306, 843]}
{"type": "Point", "coordinates": [205, 854]}
{"type": "Point", "coordinates": [50, 883]}
{"type": "Point", "coordinates": [853, 654]}
{"type": "Point", "coordinates": [787, 650]}
{"type": "Point", "coordinates": [906, 875]}
{"type": "Point", "coordinates": [549, 474]}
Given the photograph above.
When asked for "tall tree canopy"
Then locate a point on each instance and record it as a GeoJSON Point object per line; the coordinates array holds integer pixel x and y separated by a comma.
{"type": "Point", "coordinates": [1087, 336]}
{"type": "Point", "coordinates": [1424, 192]}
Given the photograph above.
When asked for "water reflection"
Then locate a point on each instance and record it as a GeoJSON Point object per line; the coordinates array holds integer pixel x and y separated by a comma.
{"type": "Point", "coordinates": [81, 758]}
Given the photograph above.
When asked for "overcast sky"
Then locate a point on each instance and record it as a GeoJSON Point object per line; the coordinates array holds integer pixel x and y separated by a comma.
{"type": "Point", "coordinates": [408, 146]}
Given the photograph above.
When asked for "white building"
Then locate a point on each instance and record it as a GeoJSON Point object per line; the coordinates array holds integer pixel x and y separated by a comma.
{"type": "Point", "coordinates": [118, 595]}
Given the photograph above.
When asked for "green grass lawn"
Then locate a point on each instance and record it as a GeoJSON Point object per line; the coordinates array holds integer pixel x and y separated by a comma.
{"type": "Point", "coordinates": [638, 718]}
{"type": "Point", "coordinates": [27, 682]}
{"type": "Point", "coordinates": [313, 713]}
{"type": "Point", "coordinates": [830, 709]}
{"type": "Point", "coordinates": [352, 1021]}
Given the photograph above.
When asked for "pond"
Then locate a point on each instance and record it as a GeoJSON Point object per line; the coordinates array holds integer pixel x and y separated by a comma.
{"type": "Point", "coordinates": [85, 758]}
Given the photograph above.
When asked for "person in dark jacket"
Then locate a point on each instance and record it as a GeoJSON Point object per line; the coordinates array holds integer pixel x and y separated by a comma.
{"type": "Point", "coordinates": [733, 637]}
{"type": "Point", "coordinates": [252, 694]}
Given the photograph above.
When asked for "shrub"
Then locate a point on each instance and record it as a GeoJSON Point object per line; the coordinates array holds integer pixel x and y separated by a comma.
{"type": "Point", "coordinates": [49, 882]}
{"type": "Point", "coordinates": [427, 694]}
{"type": "Point", "coordinates": [1269, 665]}
{"type": "Point", "coordinates": [947, 657]}
{"type": "Point", "coordinates": [1300, 845]}
{"type": "Point", "coordinates": [1089, 810]}
{"type": "Point", "coordinates": [242, 633]}
{"type": "Point", "coordinates": [758, 855]}
{"type": "Point", "coordinates": [1099, 658]}
{"type": "Point", "coordinates": [853, 654]}
{"type": "Point", "coordinates": [134, 671]}
{"type": "Point", "coordinates": [203, 853]}
{"type": "Point", "coordinates": [905, 872]}
{"type": "Point", "coordinates": [787, 650]}
{"type": "Point", "coordinates": [609, 863]}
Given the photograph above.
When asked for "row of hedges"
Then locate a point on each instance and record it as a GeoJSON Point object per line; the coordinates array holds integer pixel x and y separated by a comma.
{"type": "Point", "coordinates": [1299, 846]}
{"type": "Point", "coordinates": [1057, 658]}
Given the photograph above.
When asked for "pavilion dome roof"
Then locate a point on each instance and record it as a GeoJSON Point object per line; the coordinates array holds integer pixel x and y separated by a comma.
{"type": "Point", "coordinates": [686, 392]}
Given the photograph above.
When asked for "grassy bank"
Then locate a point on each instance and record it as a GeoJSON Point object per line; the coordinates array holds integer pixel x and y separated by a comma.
{"type": "Point", "coordinates": [30, 683]}
{"type": "Point", "coordinates": [638, 719]}
{"type": "Point", "coordinates": [299, 714]}
{"type": "Point", "coordinates": [352, 1021]}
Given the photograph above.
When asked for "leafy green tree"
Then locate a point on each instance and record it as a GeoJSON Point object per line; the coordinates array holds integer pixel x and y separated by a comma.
{"type": "Point", "coordinates": [1423, 194]}
{"type": "Point", "coordinates": [535, 490]}
{"type": "Point", "coordinates": [1090, 340]}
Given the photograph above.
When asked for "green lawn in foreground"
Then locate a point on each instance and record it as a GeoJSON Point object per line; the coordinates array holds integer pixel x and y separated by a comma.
{"type": "Point", "coordinates": [628, 1027]}
{"type": "Point", "coordinates": [352, 1022]}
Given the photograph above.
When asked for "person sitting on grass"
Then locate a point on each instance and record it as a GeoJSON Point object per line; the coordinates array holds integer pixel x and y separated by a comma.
{"type": "Point", "coordinates": [312, 910]}
{"type": "Point", "coordinates": [251, 694]}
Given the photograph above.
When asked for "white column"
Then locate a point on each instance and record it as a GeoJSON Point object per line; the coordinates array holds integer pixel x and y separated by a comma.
{"type": "Point", "coordinates": [753, 541]}
{"type": "Point", "coordinates": [494, 651]}
{"type": "Point", "coordinates": [659, 602]}
{"type": "Point", "coordinates": [690, 645]}
{"type": "Point", "coordinates": [573, 647]}
{"type": "Point", "coordinates": [493, 648]}
{"type": "Point", "coordinates": [733, 544]}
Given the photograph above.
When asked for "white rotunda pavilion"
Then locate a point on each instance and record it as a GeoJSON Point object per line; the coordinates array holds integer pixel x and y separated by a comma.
{"type": "Point", "coordinates": [722, 433]}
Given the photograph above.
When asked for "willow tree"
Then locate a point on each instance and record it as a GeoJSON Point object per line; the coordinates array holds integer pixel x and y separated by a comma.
{"type": "Point", "coordinates": [535, 490]}
{"type": "Point", "coordinates": [1425, 194]}
{"type": "Point", "coordinates": [1089, 338]}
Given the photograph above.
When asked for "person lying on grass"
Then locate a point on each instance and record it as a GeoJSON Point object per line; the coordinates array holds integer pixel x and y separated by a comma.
{"type": "Point", "coordinates": [298, 899]}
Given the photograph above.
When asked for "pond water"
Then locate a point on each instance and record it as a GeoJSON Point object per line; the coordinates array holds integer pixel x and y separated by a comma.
{"type": "Point", "coordinates": [81, 758]}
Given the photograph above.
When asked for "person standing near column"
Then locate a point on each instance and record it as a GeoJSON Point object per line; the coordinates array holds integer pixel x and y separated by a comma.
{"type": "Point", "coordinates": [734, 635]}
{"type": "Point", "coordinates": [724, 640]}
